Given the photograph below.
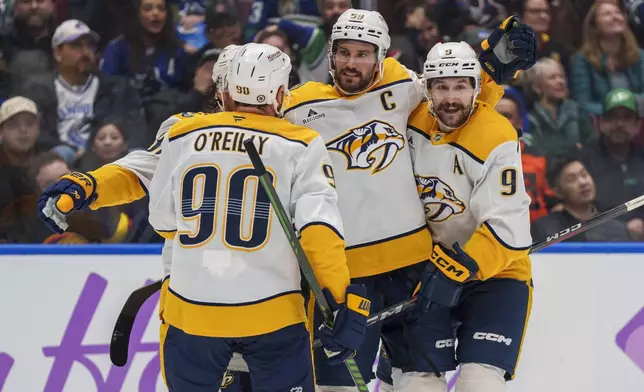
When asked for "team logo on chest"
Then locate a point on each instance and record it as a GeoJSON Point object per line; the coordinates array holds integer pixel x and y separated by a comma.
{"type": "Point", "coordinates": [370, 146]}
{"type": "Point", "coordinates": [438, 198]}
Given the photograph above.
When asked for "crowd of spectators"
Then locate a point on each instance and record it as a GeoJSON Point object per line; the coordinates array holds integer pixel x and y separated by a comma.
{"type": "Point", "coordinates": [82, 83]}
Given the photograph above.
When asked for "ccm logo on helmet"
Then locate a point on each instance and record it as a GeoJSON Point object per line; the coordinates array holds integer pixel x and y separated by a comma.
{"type": "Point", "coordinates": [354, 28]}
{"type": "Point", "coordinates": [492, 337]}
{"type": "Point", "coordinates": [447, 65]}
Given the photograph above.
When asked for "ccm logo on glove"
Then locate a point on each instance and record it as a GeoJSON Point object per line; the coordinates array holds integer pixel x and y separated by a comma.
{"type": "Point", "coordinates": [449, 266]}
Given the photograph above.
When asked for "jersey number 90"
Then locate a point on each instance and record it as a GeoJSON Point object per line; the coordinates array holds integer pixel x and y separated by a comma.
{"type": "Point", "coordinates": [246, 215]}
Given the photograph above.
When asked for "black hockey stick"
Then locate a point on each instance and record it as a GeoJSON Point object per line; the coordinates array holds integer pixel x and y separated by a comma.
{"type": "Point", "coordinates": [537, 246]}
{"type": "Point", "coordinates": [124, 323]}
{"type": "Point", "coordinates": [120, 337]}
{"type": "Point", "coordinates": [267, 183]}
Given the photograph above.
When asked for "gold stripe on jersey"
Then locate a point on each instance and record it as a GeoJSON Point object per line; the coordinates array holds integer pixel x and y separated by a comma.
{"type": "Point", "coordinates": [168, 235]}
{"type": "Point", "coordinates": [312, 92]}
{"type": "Point", "coordinates": [495, 258]}
{"type": "Point", "coordinates": [116, 186]}
{"type": "Point", "coordinates": [525, 327]}
{"type": "Point", "coordinates": [324, 248]}
{"type": "Point", "coordinates": [233, 321]}
{"type": "Point", "coordinates": [163, 332]}
{"type": "Point", "coordinates": [390, 254]}
{"type": "Point", "coordinates": [467, 138]}
{"type": "Point", "coordinates": [491, 93]}
{"type": "Point", "coordinates": [244, 121]}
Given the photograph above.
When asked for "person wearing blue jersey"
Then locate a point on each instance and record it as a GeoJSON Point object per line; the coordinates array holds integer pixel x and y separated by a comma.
{"type": "Point", "coordinates": [149, 52]}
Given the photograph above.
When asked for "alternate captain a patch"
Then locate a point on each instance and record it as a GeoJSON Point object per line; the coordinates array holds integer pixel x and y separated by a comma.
{"type": "Point", "coordinates": [438, 198]}
{"type": "Point", "coordinates": [373, 145]}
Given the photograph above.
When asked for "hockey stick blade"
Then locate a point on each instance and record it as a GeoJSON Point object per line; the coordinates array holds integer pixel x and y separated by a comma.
{"type": "Point", "coordinates": [266, 182]}
{"type": "Point", "coordinates": [120, 342]}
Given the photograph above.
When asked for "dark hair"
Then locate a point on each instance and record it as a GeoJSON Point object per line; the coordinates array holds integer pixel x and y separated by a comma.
{"type": "Point", "coordinates": [557, 163]}
{"type": "Point", "coordinates": [215, 19]}
{"type": "Point", "coordinates": [133, 33]}
{"type": "Point", "coordinates": [40, 161]}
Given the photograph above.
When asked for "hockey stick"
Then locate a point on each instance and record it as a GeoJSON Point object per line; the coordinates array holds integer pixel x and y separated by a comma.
{"type": "Point", "coordinates": [305, 265]}
{"type": "Point", "coordinates": [120, 337]}
{"type": "Point", "coordinates": [125, 322]}
{"type": "Point", "coordinates": [537, 246]}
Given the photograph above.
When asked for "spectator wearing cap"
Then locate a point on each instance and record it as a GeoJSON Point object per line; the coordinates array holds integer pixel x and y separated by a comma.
{"type": "Point", "coordinates": [191, 28]}
{"type": "Point", "coordinates": [609, 58]}
{"type": "Point", "coordinates": [222, 29]}
{"type": "Point", "coordinates": [76, 99]}
{"type": "Point", "coordinates": [19, 130]}
{"type": "Point", "coordinates": [149, 53]}
{"type": "Point", "coordinates": [537, 14]}
{"type": "Point", "coordinates": [575, 187]}
{"type": "Point", "coordinates": [556, 122]}
{"type": "Point", "coordinates": [615, 160]}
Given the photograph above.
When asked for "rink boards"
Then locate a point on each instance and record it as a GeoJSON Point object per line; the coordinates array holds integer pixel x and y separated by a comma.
{"type": "Point", "coordinates": [59, 305]}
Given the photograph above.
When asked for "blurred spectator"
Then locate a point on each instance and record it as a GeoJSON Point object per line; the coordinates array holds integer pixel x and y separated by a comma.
{"type": "Point", "coordinates": [222, 29]}
{"type": "Point", "coordinates": [76, 99]}
{"type": "Point", "coordinates": [191, 28]}
{"type": "Point", "coordinates": [474, 37]}
{"type": "Point", "coordinates": [421, 34]}
{"type": "Point", "coordinates": [107, 145]}
{"type": "Point", "coordinates": [576, 189]}
{"type": "Point", "coordinates": [534, 165]}
{"type": "Point", "coordinates": [615, 161]}
{"type": "Point", "coordinates": [304, 12]}
{"type": "Point", "coordinates": [609, 58]}
{"type": "Point", "coordinates": [556, 122]}
{"type": "Point", "coordinates": [149, 52]}
{"type": "Point", "coordinates": [33, 27]}
{"type": "Point", "coordinates": [46, 168]}
{"type": "Point", "coordinates": [635, 12]}
{"type": "Point", "coordinates": [537, 14]}
{"type": "Point", "coordinates": [311, 42]}
{"type": "Point", "coordinates": [272, 35]}
{"type": "Point", "coordinates": [6, 17]}
{"type": "Point", "coordinates": [19, 130]}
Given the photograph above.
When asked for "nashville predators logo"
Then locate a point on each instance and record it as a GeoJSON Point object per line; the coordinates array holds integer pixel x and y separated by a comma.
{"type": "Point", "coordinates": [438, 198]}
{"type": "Point", "coordinates": [228, 380]}
{"type": "Point", "coordinates": [371, 146]}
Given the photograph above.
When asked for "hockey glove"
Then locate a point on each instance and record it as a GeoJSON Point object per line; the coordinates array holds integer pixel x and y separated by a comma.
{"type": "Point", "coordinates": [81, 187]}
{"type": "Point", "coordinates": [341, 341]}
{"type": "Point", "coordinates": [442, 280]}
{"type": "Point", "coordinates": [511, 47]}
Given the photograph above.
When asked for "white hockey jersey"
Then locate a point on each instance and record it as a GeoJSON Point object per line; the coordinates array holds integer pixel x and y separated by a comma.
{"type": "Point", "coordinates": [367, 138]}
{"type": "Point", "coordinates": [233, 272]}
{"type": "Point", "coordinates": [471, 185]}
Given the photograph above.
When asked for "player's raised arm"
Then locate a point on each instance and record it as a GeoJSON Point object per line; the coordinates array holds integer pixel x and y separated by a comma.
{"type": "Point", "coordinates": [317, 218]}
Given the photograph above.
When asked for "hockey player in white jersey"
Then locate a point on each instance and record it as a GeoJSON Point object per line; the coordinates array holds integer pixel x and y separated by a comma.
{"type": "Point", "coordinates": [390, 95]}
{"type": "Point", "coordinates": [363, 120]}
{"type": "Point", "coordinates": [467, 165]}
{"type": "Point", "coordinates": [206, 198]}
